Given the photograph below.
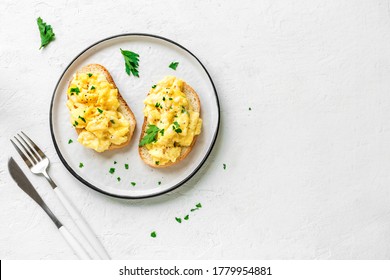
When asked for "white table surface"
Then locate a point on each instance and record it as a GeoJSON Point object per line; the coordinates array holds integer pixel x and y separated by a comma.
{"type": "Point", "coordinates": [308, 168]}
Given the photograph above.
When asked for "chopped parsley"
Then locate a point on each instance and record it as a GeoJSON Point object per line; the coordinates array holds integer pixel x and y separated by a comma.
{"type": "Point", "coordinates": [112, 170]}
{"type": "Point", "coordinates": [119, 179]}
{"type": "Point", "coordinates": [163, 98]}
{"type": "Point", "coordinates": [70, 141]}
{"type": "Point", "coordinates": [153, 234]}
{"type": "Point", "coordinates": [115, 162]}
{"type": "Point", "coordinates": [186, 217]}
{"type": "Point", "coordinates": [250, 109]}
{"type": "Point", "coordinates": [159, 182]}
{"type": "Point", "coordinates": [131, 62]}
{"type": "Point", "coordinates": [90, 75]}
{"type": "Point", "coordinates": [173, 65]}
{"type": "Point", "coordinates": [46, 33]}
{"type": "Point", "coordinates": [170, 98]}
{"type": "Point", "coordinates": [126, 166]}
{"type": "Point", "coordinates": [112, 121]}
{"type": "Point", "coordinates": [154, 86]}
{"type": "Point", "coordinates": [157, 162]}
{"type": "Point", "coordinates": [75, 123]}
{"type": "Point", "coordinates": [100, 110]}
{"type": "Point", "coordinates": [81, 118]}
{"type": "Point", "coordinates": [81, 165]}
{"type": "Point", "coordinates": [150, 136]}
{"type": "Point", "coordinates": [176, 127]}
{"type": "Point", "coordinates": [92, 88]}
{"type": "Point", "coordinates": [133, 184]}
{"type": "Point", "coordinates": [178, 220]}
{"type": "Point", "coordinates": [157, 105]}
{"type": "Point", "coordinates": [197, 207]}
{"type": "Point", "coordinates": [75, 90]}
{"type": "Point", "coordinates": [224, 166]}
{"type": "Point", "coordinates": [162, 132]}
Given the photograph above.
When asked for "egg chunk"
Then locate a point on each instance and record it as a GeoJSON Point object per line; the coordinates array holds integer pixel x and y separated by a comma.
{"type": "Point", "coordinates": [93, 105]}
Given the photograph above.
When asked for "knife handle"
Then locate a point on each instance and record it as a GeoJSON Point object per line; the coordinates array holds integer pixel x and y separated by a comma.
{"type": "Point", "coordinates": [98, 250]}
{"type": "Point", "coordinates": [74, 244]}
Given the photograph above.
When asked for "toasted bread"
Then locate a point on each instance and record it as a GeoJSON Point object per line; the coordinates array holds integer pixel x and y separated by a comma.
{"type": "Point", "coordinates": [194, 100]}
{"type": "Point", "coordinates": [124, 109]}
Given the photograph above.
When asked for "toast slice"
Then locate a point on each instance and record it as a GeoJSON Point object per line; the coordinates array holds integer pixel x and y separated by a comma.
{"type": "Point", "coordinates": [194, 100]}
{"type": "Point", "coordinates": [124, 109]}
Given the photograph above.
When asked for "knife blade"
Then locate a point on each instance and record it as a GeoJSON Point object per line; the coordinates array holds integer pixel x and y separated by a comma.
{"type": "Point", "coordinates": [23, 183]}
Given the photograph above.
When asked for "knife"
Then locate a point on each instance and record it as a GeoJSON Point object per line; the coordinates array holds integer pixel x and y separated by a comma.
{"type": "Point", "coordinates": [23, 183]}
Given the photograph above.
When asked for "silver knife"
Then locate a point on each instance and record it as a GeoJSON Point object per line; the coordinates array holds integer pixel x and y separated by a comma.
{"type": "Point", "coordinates": [23, 183]}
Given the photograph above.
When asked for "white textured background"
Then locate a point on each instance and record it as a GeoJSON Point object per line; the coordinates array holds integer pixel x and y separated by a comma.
{"type": "Point", "coordinates": [308, 168]}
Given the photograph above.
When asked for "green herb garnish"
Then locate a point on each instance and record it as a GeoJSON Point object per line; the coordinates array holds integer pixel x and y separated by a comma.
{"type": "Point", "coordinates": [81, 118]}
{"type": "Point", "coordinates": [163, 98]}
{"type": "Point", "coordinates": [126, 166]}
{"type": "Point", "coordinates": [131, 62]}
{"type": "Point", "coordinates": [159, 182]}
{"type": "Point", "coordinates": [81, 165]}
{"type": "Point", "coordinates": [112, 170]}
{"type": "Point", "coordinates": [157, 105]}
{"type": "Point", "coordinates": [157, 162]}
{"type": "Point", "coordinates": [46, 33]}
{"type": "Point", "coordinates": [153, 234]}
{"type": "Point", "coordinates": [250, 109]}
{"type": "Point", "coordinates": [75, 90]}
{"type": "Point", "coordinates": [198, 206]}
{"type": "Point", "coordinates": [178, 220]}
{"type": "Point", "coordinates": [224, 166]}
{"type": "Point", "coordinates": [133, 184]}
{"type": "Point", "coordinates": [154, 86]}
{"type": "Point", "coordinates": [162, 132]}
{"type": "Point", "coordinates": [112, 121]}
{"type": "Point", "coordinates": [170, 98]}
{"type": "Point", "coordinates": [151, 134]}
{"type": "Point", "coordinates": [90, 75]}
{"type": "Point", "coordinates": [119, 179]}
{"type": "Point", "coordinates": [92, 88]}
{"type": "Point", "coordinates": [75, 123]}
{"type": "Point", "coordinates": [100, 110]}
{"type": "Point", "coordinates": [186, 217]}
{"type": "Point", "coordinates": [176, 127]}
{"type": "Point", "coordinates": [70, 141]}
{"type": "Point", "coordinates": [173, 65]}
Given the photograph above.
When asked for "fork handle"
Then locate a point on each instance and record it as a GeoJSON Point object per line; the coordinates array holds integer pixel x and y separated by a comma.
{"type": "Point", "coordinates": [74, 244]}
{"type": "Point", "coordinates": [83, 226]}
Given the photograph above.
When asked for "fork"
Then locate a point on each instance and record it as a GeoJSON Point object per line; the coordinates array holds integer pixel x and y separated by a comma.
{"type": "Point", "coordinates": [38, 163]}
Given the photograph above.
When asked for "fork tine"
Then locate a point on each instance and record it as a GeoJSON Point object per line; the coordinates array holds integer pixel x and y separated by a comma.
{"type": "Point", "coordinates": [26, 160]}
{"type": "Point", "coordinates": [32, 151]}
{"type": "Point", "coordinates": [34, 146]}
{"type": "Point", "coordinates": [28, 146]}
{"type": "Point", "coordinates": [33, 159]}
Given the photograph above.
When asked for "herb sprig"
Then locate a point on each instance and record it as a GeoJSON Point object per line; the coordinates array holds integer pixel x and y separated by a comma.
{"type": "Point", "coordinates": [131, 62]}
{"type": "Point", "coordinates": [46, 32]}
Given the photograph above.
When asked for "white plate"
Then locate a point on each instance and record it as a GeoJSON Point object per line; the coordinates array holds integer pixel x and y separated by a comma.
{"type": "Point", "coordinates": [156, 53]}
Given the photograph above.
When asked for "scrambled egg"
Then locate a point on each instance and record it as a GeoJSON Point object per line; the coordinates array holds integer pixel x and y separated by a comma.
{"type": "Point", "coordinates": [93, 104]}
{"type": "Point", "coordinates": [168, 108]}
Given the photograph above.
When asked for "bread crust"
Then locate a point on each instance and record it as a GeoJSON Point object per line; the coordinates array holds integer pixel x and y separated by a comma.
{"type": "Point", "coordinates": [194, 100]}
{"type": "Point", "coordinates": [123, 107]}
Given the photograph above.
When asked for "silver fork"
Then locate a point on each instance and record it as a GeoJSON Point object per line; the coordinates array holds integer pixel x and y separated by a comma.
{"type": "Point", "coordinates": [38, 163]}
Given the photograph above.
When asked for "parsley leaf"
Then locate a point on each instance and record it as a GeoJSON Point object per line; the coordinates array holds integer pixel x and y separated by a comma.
{"type": "Point", "coordinates": [126, 166]}
{"type": "Point", "coordinates": [153, 234]}
{"type": "Point", "coordinates": [75, 123]}
{"type": "Point", "coordinates": [119, 179]}
{"type": "Point", "coordinates": [157, 162]}
{"type": "Point", "coordinates": [100, 110]}
{"type": "Point", "coordinates": [133, 184]}
{"type": "Point", "coordinates": [154, 86]}
{"type": "Point", "coordinates": [46, 33]}
{"type": "Point", "coordinates": [92, 88]}
{"type": "Point", "coordinates": [90, 75]}
{"type": "Point", "coordinates": [186, 217]}
{"type": "Point", "coordinates": [75, 90]}
{"type": "Point", "coordinates": [112, 121]}
{"type": "Point", "coordinates": [151, 134]}
{"type": "Point", "coordinates": [70, 141]}
{"type": "Point", "coordinates": [81, 118]}
{"type": "Point", "coordinates": [162, 132]}
{"type": "Point", "coordinates": [224, 166]}
{"type": "Point", "coordinates": [173, 65]}
{"type": "Point", "coordinates": [178, 220]}
{"type": "Point", "coordinates": [131, 62]}
{"type": "Point", "coordinates": [112, 170]}
{"type": "Point", "coordinates": [198, 205]}
{"type": "Point", "coordinates": [81, 165]}
{"type": "Point", "coordinates": [176, 127]}
{"type": "Point", "coordinates": [159, 182]}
